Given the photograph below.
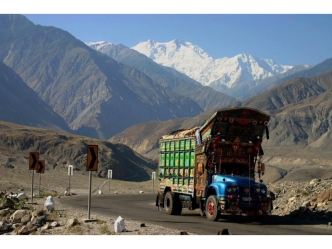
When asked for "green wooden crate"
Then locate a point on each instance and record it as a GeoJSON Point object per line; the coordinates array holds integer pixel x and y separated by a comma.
{"type": "Point", "coordinates": [171, 159]}
{"type": "Point", "coordinates": [162, 159]}
{"type": "Point", "coordinates": [167, 160]}
{"type": "Point", "coordinates": [177, 145]}
{"type": "Point", "coordinates": [162, 146]}
{"type": "Point", "coordinates": [181, 162]}
{"type": "Point", "coordinates": [172, 146]}
{"type": "Point", "coordinates": [176, 159]}
{"type": "Point", "coordinates": [186, 159]}
{"type": "Point", "coordinates": [193, 144]}
{"type": "Point", "coordinates": [187, 144]}
{"type": "Point", "coordinates": [192, 159]}
{"type": "Point", "coordinates": [182, 144]}
{"type": "Point", "coordinates": [167, 146]}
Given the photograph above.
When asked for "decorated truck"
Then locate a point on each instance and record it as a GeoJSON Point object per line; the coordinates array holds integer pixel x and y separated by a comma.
{"type": "Point", "coordinates": [217, 167]}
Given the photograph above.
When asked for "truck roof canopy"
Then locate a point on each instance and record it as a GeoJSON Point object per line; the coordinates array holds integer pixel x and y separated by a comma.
{"type": "Point", "coordinates": [243, 122]}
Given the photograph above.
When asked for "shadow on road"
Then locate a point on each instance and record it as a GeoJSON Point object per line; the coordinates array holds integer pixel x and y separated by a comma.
{"type": "Point", "coordinates": [295, 218]}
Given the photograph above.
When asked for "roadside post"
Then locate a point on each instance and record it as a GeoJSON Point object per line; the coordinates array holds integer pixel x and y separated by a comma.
{"type": "Point", "coordinates": [92, 165]}
{"type": "Point", "coordinates": [153, 178]}
{"type": "Point", "coordinates": [109, 176]}
{"type": "Point", "coordinates": [70, 173]}
{"type": "Point", "coordinates": [33, 160]}
{"type": "Point", "coordinates": [40, 170]}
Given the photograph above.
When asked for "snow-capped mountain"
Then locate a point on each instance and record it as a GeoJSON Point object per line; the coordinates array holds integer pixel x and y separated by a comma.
{"type": "Point", "coordinates": [99, 45]}
{"type": "Point", "coordinates": [219, 74]}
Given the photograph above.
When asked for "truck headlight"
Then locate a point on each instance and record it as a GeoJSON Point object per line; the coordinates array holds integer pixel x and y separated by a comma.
{"type": "Point", "coordinates": [261, 190]}
{"type": "Point", "coordinates": [231, 189]}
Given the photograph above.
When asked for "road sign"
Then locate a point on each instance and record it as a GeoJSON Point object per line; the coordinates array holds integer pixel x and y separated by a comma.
{"type": "Point", "coordinates": [109, 175]}
{"type": "Point", "coordinates": [92, 162]}
{"type": "Point", "coordinates": [41, 167]}
{"type": "Point", "coordinates": [34, 157]}
{"type": "Point", "coordinates": [70, 170]}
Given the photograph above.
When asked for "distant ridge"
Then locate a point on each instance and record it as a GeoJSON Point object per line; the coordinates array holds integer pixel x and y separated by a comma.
{"type": "Point", "coordinates": [167, 77]}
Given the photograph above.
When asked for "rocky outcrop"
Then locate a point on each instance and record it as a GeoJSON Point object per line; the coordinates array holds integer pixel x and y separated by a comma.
{"type": "Point", "coordinates": [309, 200]}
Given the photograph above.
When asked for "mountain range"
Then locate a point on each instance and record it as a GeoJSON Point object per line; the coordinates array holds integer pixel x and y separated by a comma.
{"type": "Point", "coordinates": [125, 100]}
{"type": "Point", "coordinates": [221, 74]}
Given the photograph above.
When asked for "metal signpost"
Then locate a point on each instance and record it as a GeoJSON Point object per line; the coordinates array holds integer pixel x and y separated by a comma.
{"type": "Point", "coordinates": [33, 160]}
{"type": "Point", "coordinates": [92, 165]}
{"type": "Point", "coordinates": [40, 170]}
{"type": "Point", "coordinates": [70, 173]}
{"type": "Point", "coordinates": [153, 178]}
{"type": "Point", "coordinates": [109, 176]}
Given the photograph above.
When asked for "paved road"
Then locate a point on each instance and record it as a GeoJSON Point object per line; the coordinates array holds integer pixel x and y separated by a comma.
{"type": "Point", "coordinates": [142, 208]}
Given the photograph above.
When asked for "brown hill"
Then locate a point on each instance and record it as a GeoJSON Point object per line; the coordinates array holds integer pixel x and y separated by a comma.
{"type": "Point", "coordinates": [290, 92]}
{"type": "Point", "coordinates": [60, 149]}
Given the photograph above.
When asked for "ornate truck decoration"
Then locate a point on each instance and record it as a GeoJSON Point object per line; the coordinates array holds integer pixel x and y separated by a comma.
{"type": "Point", "coordinates": [213, 167]}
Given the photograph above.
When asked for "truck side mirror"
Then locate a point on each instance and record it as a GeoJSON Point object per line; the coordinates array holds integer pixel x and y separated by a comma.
{"type": "Point", "coordinates": [198, 137]}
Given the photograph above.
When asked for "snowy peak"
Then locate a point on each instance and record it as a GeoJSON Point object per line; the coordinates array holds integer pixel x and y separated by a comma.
{"type": "Point", "coordinates": [176, 50]}
{"type": "Point", "coordinates": [100, 45]}
{"type": "Point", "coordinates": [219, 73]}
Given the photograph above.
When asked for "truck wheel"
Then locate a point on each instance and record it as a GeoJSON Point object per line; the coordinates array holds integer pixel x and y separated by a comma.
{"type": "Point", "coordinates": [170, 203]}
{"type": "Point", "coordinates": [211, 208]}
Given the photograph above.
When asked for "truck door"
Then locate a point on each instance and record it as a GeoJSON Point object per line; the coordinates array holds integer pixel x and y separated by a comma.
{"type": "Point", "coordinates": [200, 176]}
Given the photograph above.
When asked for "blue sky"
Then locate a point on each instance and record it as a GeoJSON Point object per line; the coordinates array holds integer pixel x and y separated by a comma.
{"type": "Point", "coordinates": [288, 37]}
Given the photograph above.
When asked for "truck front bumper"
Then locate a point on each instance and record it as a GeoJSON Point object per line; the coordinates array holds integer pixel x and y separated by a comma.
{"type": "Point", "coordinates": [245, 205]}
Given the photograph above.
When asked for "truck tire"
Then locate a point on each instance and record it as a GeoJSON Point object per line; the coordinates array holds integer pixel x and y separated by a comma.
{"type": "Point", "coordinates": [172, 204]}
{"type": "Point", "coordinates": [211, 208]}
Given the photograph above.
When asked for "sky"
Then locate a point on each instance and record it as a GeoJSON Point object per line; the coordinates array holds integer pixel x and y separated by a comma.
{"type": "Point", "coordinates": [295, 35]}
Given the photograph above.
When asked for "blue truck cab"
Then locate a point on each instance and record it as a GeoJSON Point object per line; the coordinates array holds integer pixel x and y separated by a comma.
{"type": "Point", "coordinates": [214, 167]}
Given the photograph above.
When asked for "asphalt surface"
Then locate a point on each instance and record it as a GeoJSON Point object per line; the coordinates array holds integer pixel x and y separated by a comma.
{"type": "Point", "coordinates": [141, 208]}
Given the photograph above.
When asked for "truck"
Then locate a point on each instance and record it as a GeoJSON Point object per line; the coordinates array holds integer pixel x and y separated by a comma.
{"type": "Point", "coordinates": [217, 167]}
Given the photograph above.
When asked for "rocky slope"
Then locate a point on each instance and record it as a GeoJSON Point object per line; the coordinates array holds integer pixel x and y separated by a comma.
{"type": "Point", "coordinates": [308, 200]}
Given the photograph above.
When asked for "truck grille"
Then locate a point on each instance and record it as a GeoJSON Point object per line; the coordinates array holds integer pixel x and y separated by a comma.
{"type": "Point", "coordinates": [245, 191]}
